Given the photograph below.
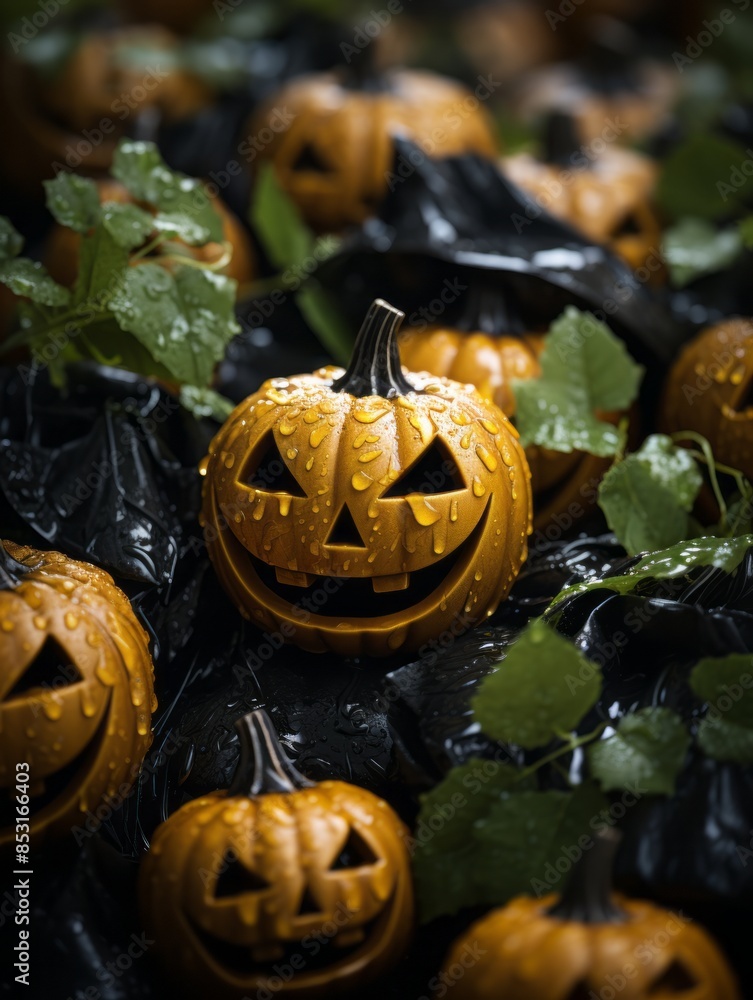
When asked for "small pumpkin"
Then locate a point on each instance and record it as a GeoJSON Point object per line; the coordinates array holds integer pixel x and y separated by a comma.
{"type": "Point", "coordinates": [586, 943]}
{"type": "Point", "coordinates": [335, 156]}
{"type": "Point", "coordinates": [278, 884]}
{"type": "Point", "coordinates": [76, 688]}
{"type": "Point", "coordinates": [62, 250]}
{"type": "Point", "coordinates": [710, 390]}
{"type": "Point", "coordinates": [608, 197]}
{"type": "Point", "coordinates": [364, 511]}
{"type": "Point", "coordinates": [484, 349]}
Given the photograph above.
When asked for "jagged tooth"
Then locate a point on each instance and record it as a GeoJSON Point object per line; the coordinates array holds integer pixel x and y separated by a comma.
{"type": "Point", "coordinates": [346, 939]}
{"type": "Point", "coordinates": [384, 584]}
{"type": "Point", "coordinates": [293, 578]}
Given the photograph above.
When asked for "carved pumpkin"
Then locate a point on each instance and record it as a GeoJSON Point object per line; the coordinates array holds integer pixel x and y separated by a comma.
{"type": "Point", "coordinates": [278, 884]}
{"type": "Point", "coordinates": [606, 197]}
{"type": "Point", "coordinates": [76, 683]}
{"type": "Point", "coordinates": [589, 943]}
{"type": "Point", "coordinates": [335, 156]}
{"type": "Point", "coordinates": [61, 254]}
{"type": "Point", "coordinates": [75, 118]}
{"type": "Point", "coordinates": [710, 390]}
{"type": "Point", "coordinates": [365, 511]}
{"type": "Point", "coordinates": [480, 351]}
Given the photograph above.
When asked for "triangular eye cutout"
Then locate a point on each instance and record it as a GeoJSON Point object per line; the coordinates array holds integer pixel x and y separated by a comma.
{"type": "Point", "coordinates": [434, 472]}
{"type": "Point", "coordinates": [309, 159]}
{"type": "Point", "coordinates": [675, 979]}
{"type": "Point", "coordinates": [266, 470]}
{"type": "Point", "coordinates": [345, 531]}
{"type": "Point", "coordinates": [236, 879]}
{"type": "Point", "coordinates": [308, 904]}
{"type": "Point", "coordinates": [51, 670]}
{"type": "Point", "coordinates": [355, 853]}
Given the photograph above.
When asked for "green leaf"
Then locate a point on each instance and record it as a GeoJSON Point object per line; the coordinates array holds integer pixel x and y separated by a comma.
{"type": "Point", "coordinates": [128, 225]}
{"type": "Point", "coordinates": [11, 240]}
{"type": "Point", "coordinates": [140, 167]}
{"type": "Point", "coordinates": [584, 368]}
{"type": "Point", "coordinates": [205, 403]}
{"type": "Point", "coordinates": [287, 239]}
{"type": "Point", "coordinates": [693, 247]}
{"type": "Point", "coordinates": [726, 741]}
{"type": "Point", "coordinates": [102, 267]}
{"type": "Point", "coordinates": [179, 226]}
{"type": "Point", "coordinates": [646, 497]}
{"type": "Point", "coordinates": [184, 319]}
{"type": "Point", "coordinates": [29, 279]}
{"type": "Point", "coordinates": [678, 560]}
{"type": "Point", "coordinates": [745, 228]}
{"type": "Point", "coordinates": [73, 201]}
{"type": "Point", "coordinates": [726, 683]}
{"type": "Point", "coordinates": [543, 687]}
{"type": "Point", "coordinates": [647, 751]}
{"type": "Point", "coordinates": [700, 178]}
{"type": "Point", "coordinates": [325, 320]}
{"type": "Point", "coordinates": [498, 842]}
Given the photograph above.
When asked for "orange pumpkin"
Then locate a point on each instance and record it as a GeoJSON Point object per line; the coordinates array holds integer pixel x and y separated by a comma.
{"type": "Point", "coordinates": [710, 390]}
{"type": "Point", "coordinates": [589, 943]}
{"type": "Point", "coordinates": [76, 688]}
{"type": "Point", "coordinates": [279, 885]}
{"type": "Point", "coordinates": [335, 155]}
{"type": "Point", "coordinates": [366, 510]}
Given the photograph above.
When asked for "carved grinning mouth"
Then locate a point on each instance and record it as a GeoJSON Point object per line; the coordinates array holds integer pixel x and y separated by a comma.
{"type": "Point", "coordinates": [367, 596]}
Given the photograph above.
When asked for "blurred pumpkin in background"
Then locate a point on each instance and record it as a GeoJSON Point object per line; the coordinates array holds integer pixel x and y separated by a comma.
{"type": "Point", "coordinates": [710, 390]}
{"type": "Point", "coordinates": [333, 152]}
{"type": "Point", "coordinates": [485, 348]}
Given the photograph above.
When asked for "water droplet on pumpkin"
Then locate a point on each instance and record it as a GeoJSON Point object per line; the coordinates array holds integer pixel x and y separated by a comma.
{"type": "Point", "coordinates": [318, 434]}
{"type": "Point", "coordinates": [40, 622]}
{"type": "Point", "coordinates": [285, 502]}
{"type": "Point", "coordinates": [229, 459]}
{"type": "Point", "coordinates": [360, 481]}
{"type": "Point", "coordinates": [286, 429]}
{"type": "Point", "coordinates": [71, 620]}
{"type": "Point", "coordinates": [454, 510]}
{"type": "Point", "coordinates": [487, 458]}
{"type": "Point", "coordinates": [7, 625]}
{"type": "Point", "coordinates": [478, 487]}
{"type": "Point", "coordinates": [422, 510]}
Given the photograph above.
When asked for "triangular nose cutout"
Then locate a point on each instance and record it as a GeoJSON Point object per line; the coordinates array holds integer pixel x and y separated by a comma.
{"type": "Point", "coordinates": [344, 531]}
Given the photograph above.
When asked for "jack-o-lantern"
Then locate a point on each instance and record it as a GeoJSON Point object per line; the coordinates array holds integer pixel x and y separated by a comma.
{"type": "Point", "coordinates": [278, 873]}
{"type": "Point", "coordinates": [76, 689]}
{"type": "Point", "coordinates": [588, 942]}
{"type": "Point", "coordinates": [335, 155]}
{"type": "Point", "coordinates": [363, 511]}
{"type": "Point", "coordinates": [479, 350]}
{"type": "Point", "coordinates": [74, 117]}
{"type": "Point", "coordinates": [608, 197]}
{"type": "Point", "coordinates": [710, 390]}
{"type": "Point", "coordinates": [62, 251]}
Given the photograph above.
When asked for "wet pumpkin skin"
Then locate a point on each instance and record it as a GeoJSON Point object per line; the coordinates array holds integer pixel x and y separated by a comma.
{"type": "Point", "coordinates": [587, 941]}
{"type": "Point", "coordinates": [86, 719]}
{"type": "Point", "coordinates": [62, 250]}
{"type": "Point", "coordinates": [491, 362]}
{"type": "Point", "coordinates": [335, 156]}
{"type": "Point", "coordinates": [275, 862]}
{"type": "Point", "coordinates": [710, 390]}
{"type": "Point", "coordinates": [346, 451]}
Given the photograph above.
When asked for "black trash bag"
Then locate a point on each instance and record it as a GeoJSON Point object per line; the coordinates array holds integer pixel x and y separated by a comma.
{"type": "Point", "coordinates": [107, 472]}
{"type": "Point", "coordinates": [86, 937]}
{"type": "Point", "coordinates": [446, 220]}
{"type": "Point", "coordinates": [430, 715]}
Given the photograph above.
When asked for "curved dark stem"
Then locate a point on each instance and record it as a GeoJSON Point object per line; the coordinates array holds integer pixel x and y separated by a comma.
{"type": "Point", "coordinates": [588, 896]}
{"type": "Point", "coordinates": [561, 140]}
{"type": "Point", "coordinates": [11, 570]}
{"type": "Point", "coordinates": [264, 767]}
{"type": "Point", "coordinates": [374, 368]}
{"type": "Point", "coordinates": [361, 71]}
{"type": "Point", "coordinates": [489, 310]}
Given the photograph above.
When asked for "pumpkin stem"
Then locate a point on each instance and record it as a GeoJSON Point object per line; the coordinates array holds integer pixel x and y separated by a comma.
{"type": "Point", "coordinates": [264, 767]}
{"type": "Point", "coordinates": [588, 896]}
{"type": "Point", "coordinates": [374, 368]}
{"type": "Point", "coordinates": [12, 570]}
{"type": "Point", "coordinates": [561, 140]}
